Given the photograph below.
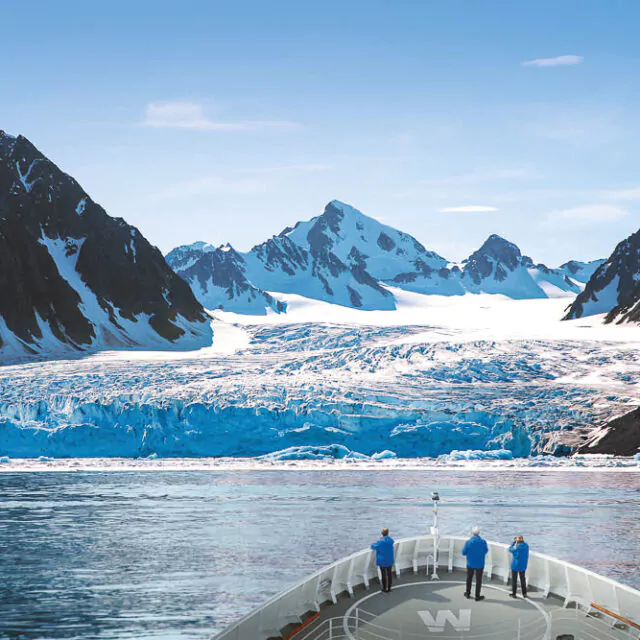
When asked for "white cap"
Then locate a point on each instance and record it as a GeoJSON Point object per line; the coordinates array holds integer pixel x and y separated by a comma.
{"type": "Point", "coordinates": [475, 531]}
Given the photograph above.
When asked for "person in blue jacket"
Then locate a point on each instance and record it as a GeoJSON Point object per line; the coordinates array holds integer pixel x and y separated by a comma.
{"type": "Point", "coordinates": [519, 551]}
{"type": "Point", "coordinates": [475, 549]}
{"type": "Point", "coordinates": [384, 558]}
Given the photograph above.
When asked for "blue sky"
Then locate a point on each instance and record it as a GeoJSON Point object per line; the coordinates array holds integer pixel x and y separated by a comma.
{"type": "Point", "coordinates": [451, 120]}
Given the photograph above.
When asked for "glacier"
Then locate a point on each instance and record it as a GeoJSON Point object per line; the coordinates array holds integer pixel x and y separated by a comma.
{"type": "Point", "coordinates": [479, 374]}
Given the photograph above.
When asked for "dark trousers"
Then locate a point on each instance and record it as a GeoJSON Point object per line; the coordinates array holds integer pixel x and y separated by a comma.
{"type": "Point", "coordinates": [478, 574]}
{"type": "Point", "coordinates": [514, 582]}
{"type": "Point", "coordinates": [387, 576]}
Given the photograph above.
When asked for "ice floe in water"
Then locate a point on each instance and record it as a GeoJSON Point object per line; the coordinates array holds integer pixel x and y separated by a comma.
{"type": "Point", "coordinates": [474, 454]}
{"type": "Point", "coordinates": [328, 458]}
{"type": "Point", "coordinates": [330, 452]}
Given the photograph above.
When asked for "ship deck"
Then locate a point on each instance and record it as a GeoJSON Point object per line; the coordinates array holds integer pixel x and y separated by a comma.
{"type": "Point", "coordinates": [418, 607]}
{"type": "Point", "coordinates": [343, 601]}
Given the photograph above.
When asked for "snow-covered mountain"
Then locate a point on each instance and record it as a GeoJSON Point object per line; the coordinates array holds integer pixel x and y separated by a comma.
{"type": "Point", "coordinates": [186, 255]}
{"type": "Point", "coordinates": [355, 238]}
{"type": "Point", "coordinates": [327, 258]}
{"type": "Point", "coordinates": [580, 271]}
{"type": "Point", "coordinates": [72, 277]}
{"type": "Point", "coordinates": [498, 266]}
{"type": "Point", "coordinates": [218, 275]}
{"type": "Point", "coordinates": [350, 259]}
{"type": "Point", "coordinates": [340, 256]}
{"type": "Point", "coordinates": [614, 288]}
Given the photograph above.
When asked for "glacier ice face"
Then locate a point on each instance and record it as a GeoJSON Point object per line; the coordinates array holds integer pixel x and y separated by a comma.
{"type": "Point", "coordinates": [365, 388]}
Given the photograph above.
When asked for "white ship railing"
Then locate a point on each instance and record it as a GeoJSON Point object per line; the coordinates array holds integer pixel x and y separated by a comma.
{"type": "Point", "coordinates": [575, 585]}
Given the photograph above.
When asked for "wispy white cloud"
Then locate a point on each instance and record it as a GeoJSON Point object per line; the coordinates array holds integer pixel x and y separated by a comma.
{"type": "Point", "coordinates": [588, 214]}
{"type": "Point", "coordinates": [558, 61]}
{"type": "Point", "coordinates": [191, 115]}
{"type": "Point", "coordinates": [470, 208]}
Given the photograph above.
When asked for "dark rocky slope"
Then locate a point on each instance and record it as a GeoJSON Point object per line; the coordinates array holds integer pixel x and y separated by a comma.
{"type": "Point", "coordinates": [72, 275]}
{"type": "Point", "coordinates": [620, 436]}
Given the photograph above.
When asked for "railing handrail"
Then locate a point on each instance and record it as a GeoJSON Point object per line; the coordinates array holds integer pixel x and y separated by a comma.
{"type": "Point", "coordinates": [616, 616]}
{"type": "Point", "coordinates": [426, 537]}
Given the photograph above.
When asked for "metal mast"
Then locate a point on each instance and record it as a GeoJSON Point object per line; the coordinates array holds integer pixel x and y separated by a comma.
{"type": "Point", "coordinates": [435, 497]}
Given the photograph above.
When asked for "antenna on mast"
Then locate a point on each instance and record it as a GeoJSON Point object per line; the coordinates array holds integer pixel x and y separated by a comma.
{"type": "Point", "coordinates": [435, 497]}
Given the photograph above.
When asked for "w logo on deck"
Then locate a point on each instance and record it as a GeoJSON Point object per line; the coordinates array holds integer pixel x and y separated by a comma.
{"type": "Point", "coordinates": [437, 624]}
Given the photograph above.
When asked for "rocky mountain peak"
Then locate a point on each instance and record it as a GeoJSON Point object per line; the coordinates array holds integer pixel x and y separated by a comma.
{"type": "Point", "coordinates": [495, 258]}
{"type": "Point", "coordinates": [74, 277]}
{"type": "Point", "coordinates": [580, 271]}
{"type": "Point", "coordinates": [499, 249]}
{"type": "Point", "coordinates": [614, 287]}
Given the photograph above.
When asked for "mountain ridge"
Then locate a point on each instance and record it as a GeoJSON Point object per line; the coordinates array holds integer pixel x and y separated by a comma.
{"type": "Point", "coordinates": [348, 258]}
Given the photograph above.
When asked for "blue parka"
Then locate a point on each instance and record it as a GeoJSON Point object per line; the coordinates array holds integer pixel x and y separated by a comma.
{"type": "Point", "coordinates": [520, 556]}
{"type": "Point", "coordinates": [384, 551]}
{"type": "Point", "coordinates": [475, 548]}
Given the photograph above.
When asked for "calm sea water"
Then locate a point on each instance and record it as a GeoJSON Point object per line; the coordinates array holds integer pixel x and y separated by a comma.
{"type": "Point", "coordinates": [181, 554]}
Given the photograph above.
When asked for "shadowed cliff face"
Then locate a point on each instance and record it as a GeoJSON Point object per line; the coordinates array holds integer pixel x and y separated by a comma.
{"type": "Point", "coordinates": [495, 257]}
{"type": "Point", "coordinates": [70, 272]}
{"type": "Point", "coordinates": [614, 288]}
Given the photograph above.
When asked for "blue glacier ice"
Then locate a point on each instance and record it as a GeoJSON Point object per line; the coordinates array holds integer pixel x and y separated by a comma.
{"type": "Point", "coordinates": [367, 389]}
